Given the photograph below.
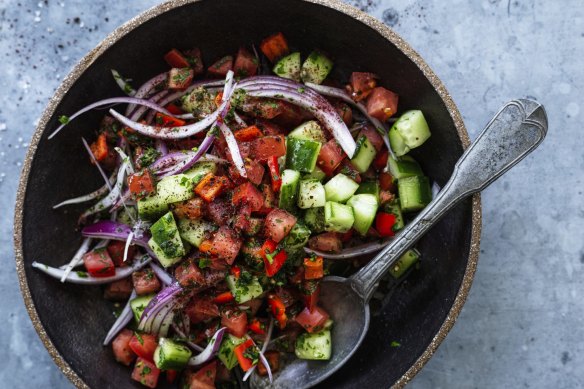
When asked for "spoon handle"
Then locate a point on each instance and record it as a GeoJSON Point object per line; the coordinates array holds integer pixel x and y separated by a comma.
{"type": "Point", "coordinates": [516, 130]}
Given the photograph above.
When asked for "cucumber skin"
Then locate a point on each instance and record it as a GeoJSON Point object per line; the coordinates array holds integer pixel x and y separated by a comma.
{"type": "Point", "coordinates": [405, 262]}
{"type": "Point", "coordinates": [369, 187]}
{"type": "Point", "coordinates": [192, 231]}
{"type": "Point", "coordinates": [333, 212]}
{"type": "Point", "coordinates": [364, 154]}
{"type": "Point", "coordinates": [164, 260]}
{"type": "Point", "coordinates": [289, 67]}
{"type": "Point", "coordinates": [395, 209]}
{"type": "Point", "coordinates": [364, 209]}
{"type": "Point", "coordinates": [244, 294]}
{"type": "Point", "coordinates": [173, 189]}
{"type": "Point", "coordinates": [316, 346]}
{"type": "Point", "coordinates": [200, 170]}
{"type": "Point", "coordinates": [310, 130]}
{"type": "Point", "coordinates": [397, 143]}
{"type": "Point", "coordinates": [340, 188]}
{"type": "Point", "coordinates": [170, 355]}
{"type": "Point", "coordinates": [297, 237]}
{"type": "Point", "coordinates": [405, 167]}
{"type": "Point", "coordinates": [414, 193]}
{"type": "Point", "coordinates": [166, 235]}
{"type": "Point", "coordinates": [314, 219]}
{"type": "Point", "coordinates": [289, 190]}
{"type": "Point", "coordinates": [151, 208]}
{"type": "Point", "coordinates": [302, 154]}
{"type": "Point", "coordinates": [139, 304]}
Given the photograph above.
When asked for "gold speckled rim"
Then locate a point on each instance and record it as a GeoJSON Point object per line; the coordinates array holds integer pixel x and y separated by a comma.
{"type": "Point", "coordinates": [120, 32]}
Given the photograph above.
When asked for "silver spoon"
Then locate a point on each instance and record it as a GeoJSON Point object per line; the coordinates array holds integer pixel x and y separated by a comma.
{"type": "Point", "coordinates": [516, 130]}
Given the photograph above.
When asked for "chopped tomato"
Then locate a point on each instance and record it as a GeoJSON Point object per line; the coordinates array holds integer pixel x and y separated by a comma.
{"type": "Point", "coordinates": [262, 108]}
{"type": "Point", "coordinates": [269, 198]}
{"type": "Point", "coordinates": [226, 244]}
{"type": "Point", "coordinates": [273, 259]}
{"type": "Point", "coordinates": [386, 182]}
{"type": "Point", "coordinates": [330, 157]}
{"type": "Point", "coordinates": [189, 209]}
{"type": "Point", "coordinates": [275, 173]}
{"type": "Point", "coordinates": [257, 327]}
{"type": "Point", "coordinates": [146, 373]}
{"type": "Point", "coordinates": [385, 196]}
{"type": "Point", "coordinates": [278, 224]}
{"type": "Point", "coordinates": [174, 109]}
{"type": "Point", "coordinates": [373, 136]}
{"type": "Point", "coordinates": [313, 268]}
{"type": "Point", "coordinates": [116, 251]}
{"type": "Point", "coordinates": [361, 85]}
{"type": "Point", "coordinates": [278, 310]}
{"type": "Point", "coordinates": [121, 347]}
{"type": "Point", "coordinates": [346, 236]}
{"type": "Point", "coordinates": [242, 218]}
{"type": "Point", "coordinates": [235, 321]}
{"type": "Point", "coordinates": [187, 273]}
{"type": "Point", "coordinates": [195, 60]}
{"type": "Point", "coordinates": [275, 46]}
{"type": "Point", "coordinates": [119, 290]}
{"type": "Point", "coordinates": [163, 120]}
{"type": "Point", "coordinates": [175, 59]}
{"type": "Point", "coordinates": [273, 358]}
{"type": "Point", "coordinates": [204, 378]}
{"type": "Point", "coordinates": [312, 321]}
{"type": "Point", "coordinates": [382, 103]}
{"type": "Point", "coordinates": [248, 134]}
{"type": "Point", "coordinates": [246, 65]}
{"type": "Point", "coordinates": [98, 263]}
{"type": "Point", "coordinates": [254, 170]}
{"type": "Point", "coordinates": [384, 224]}
{"type": "Point", "coordinates": [328, 242]}
{"type": "Point", "coordinates": [221, 67]}
{"type": "Point", "coordinates": [247, 193]}
{"type": "Point", "coordinates": [243, 351]}
{"type": "Point", "coordinates": [380, 161]}
{"type": "Point", "coordinates": [144, 345]}
{"type": "Point", "coordinates": [171, 376]}
{"type": "Point", "coordinates": [310, 293]}
{"type": "Point", "coordinates": [141, 184]}
{"type": "Point", "coordinates": [269, 128]}
{"type": "Point", "coordinates": [210, 187]}
{"type": "Point", "coordinates": [224, 298]}
{"type": "Point", "coordinates": [201, 308]}
{"type": "Point", "coordinates": [145, 282]}
{"type": "Point", "coordinates": [298, 276]}
{"type": "Point", "coordinates": [290, 115]}
{"type": "Point", "coordinates": [345, 112]}
{"type": "Point", "coordinates": [99, 148]}
{"type": "Point", "coordinates": [180, 78]}
{"type": "Point", "coordinates": [268, 146]}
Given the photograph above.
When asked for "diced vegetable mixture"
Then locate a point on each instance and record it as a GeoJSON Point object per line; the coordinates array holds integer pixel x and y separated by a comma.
{"type": "Point", "coordinates": [231, 191]}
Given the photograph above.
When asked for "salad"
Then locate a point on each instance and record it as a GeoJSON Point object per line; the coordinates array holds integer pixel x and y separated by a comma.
{"type": "Point", "coordinates": [230, 192]}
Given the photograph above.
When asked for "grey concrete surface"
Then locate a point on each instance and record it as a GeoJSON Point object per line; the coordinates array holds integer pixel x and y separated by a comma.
{"type": "Point", "coordinates": [522, 325]}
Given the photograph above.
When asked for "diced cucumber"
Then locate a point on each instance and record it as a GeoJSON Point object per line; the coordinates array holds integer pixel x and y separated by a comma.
{"type": "Point", "coordinates": [414, 193]}
{"type": "Point", "coordinates": [151, 207]}
{"type": "Point", "coordinates": [369, 187]}
{"type": "Point", "coordinates": [314, 346]}
{"type": "Point", "coordinates": [397, 143]}
{"type": "Point", "coordinates": [244, 292]}
{"type": "Point", "coordinates": [289, 189]}
{"type": "Point", "coordinates": [364, 154]}
{"type": "Point", "coordinates": [176, 188]}
{"type": "Point", "coordinates": [171, 355]}
{"type": "Point", "coordinates": [316, 68]}
{"type": "Point", "coordinates": [301, 154]}
{"type": "Point", "coordinates": [311, 194]}
{"type": "Point", "coordinates": [406, 261]}
{"type": "Point", "coordinates": [364, 208]}
{"type": "Point", "coordinates": [164, 259]}
{"type": "Point", "coordinates": [127, 215]}
{"type": "Point", "coordinates": [297, 237]}
{"type": "Point", "coordinates": [200, 170]}
{"type": "Point", "coordinates": [404, 167]}
{"type": "Point", "coordinates": [289, 66]}
{"type": "Point", "coordinates": [139, 304]}
{"type": "Point", "coordinates": [226, 354]}
{"type": "Point", "coordinates": [193, 231]}
{"type": "Point", "coordinates": [340, 188]}
{"type": "Point", "coordinates": [413, 128]}
{"type": "Point", "coordinates": [317, 174]}
{"type": "Point", "coordinates": [338, 217]}
{"type": "Point", "coordinates": [395, 209]}
{"type": "Point", "coordinates": [165, 234]}
{"type": "Point", "coordinates": [314, 219]}
{"type": "Point", "coordinates": [310, 130]}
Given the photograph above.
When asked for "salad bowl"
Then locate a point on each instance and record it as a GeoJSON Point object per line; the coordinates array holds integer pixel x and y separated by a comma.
{"type": "Point", "coordinates": [406, 327]}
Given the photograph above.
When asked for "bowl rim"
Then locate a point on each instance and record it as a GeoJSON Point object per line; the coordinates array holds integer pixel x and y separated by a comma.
{"type": "Point", "coordinates": [157, 10]}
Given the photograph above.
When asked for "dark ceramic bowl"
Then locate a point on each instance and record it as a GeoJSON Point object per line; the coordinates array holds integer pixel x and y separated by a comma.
{"type": "Point", "coordinates": [72, 320]}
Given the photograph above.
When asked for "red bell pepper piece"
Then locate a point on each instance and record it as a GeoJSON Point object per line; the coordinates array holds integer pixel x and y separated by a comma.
{"type": "Point", "coordinates": [313, 268]}
{"type": "Point", "coordinates": [248, 134]}
{"type": "Point", "coordinates": [176, 60]}
{"type": "Point", "coordinates": [273, 259]}
{"type": "Point", "coordinates": [244, 351]}
{"type": "Point", "coordinates": [278, 310]}
{"type": "Point", "coordinates": [384, 224]}
{"type": "Point", "coordinates": [275, 173]}
{"type": "Point", "coordinates": [163, 120]}
{"type": "Point", "coordinates": [275, 46]}
{"type": "Point", "coordinates": [99, 148]}
{"type": "Point", "coordinates": [235, 271]}
{"type": "Point", "coordinates": [257, 327]}
{"type": "Point", "coordinates": [224, 298]}
{"type": "Point", "coordinates": [174, 109]}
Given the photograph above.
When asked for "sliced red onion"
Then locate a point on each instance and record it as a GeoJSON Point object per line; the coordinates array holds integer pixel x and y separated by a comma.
{"type": "Point", "coordinates": [145, 89]}
{"type": "Point", "coordinates": [77, 258]}
{"type": "Point", "coordinates": [122, 320]}
{"type": "Point", "coordinates": [82, 278]}
{"type": "Point", "coordinates": [193, 157]}
{"type": "Point", "coordinates": [183, 334]}
{"type": "Point", "coordinates": [342, 95]}
{"type": "Point", "coordinates": [108, 229]}
{"type": "Point", "coordinates": [161, 147]}
{"type": "Point", "coordinates": [124, 199]}
{"type": "Point", "coordinates": [233, 149]}
{"type": "Point", "coordinates": [110, 101]}
{"type": "Point", "coordinates": [352, 252]}
{"type": "Point", "coordinates": [210, 351]}
{"type": "Point", "coordinates": [93, 195]}
{"type": "Point", "coordinates": [177, 95]}
{"type": "Point", "coordinates": [162, 275]}
{"type": "Point", "coordinates": [123, 83]}
{"type": "Point", "coordinates": [141, 110]}
{"type": "Point", "coordinates": [240, 122]}
{"type": "Point", "coordinates": [155, 318]}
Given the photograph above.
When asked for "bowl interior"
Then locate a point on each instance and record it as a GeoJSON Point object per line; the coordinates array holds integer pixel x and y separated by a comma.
{"type": "Point", "coordinates": [76, 318]}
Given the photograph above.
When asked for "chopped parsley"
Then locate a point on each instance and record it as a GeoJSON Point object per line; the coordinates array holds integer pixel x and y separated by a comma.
{"type": "Point", "coordinates": [63, 119]}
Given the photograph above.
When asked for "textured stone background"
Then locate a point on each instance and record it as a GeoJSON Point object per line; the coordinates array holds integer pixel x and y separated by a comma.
{"type": "Point", "coordinates": [522, 324]}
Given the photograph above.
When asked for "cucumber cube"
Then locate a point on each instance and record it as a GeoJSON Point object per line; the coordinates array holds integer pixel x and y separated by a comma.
{"type": "Point", "coordinates": [151, 207]}
{"type": "Point", "coordinates": [414, 193]}
{"type": "Point", "coordinates": [397, 143]}
{"type": "Point", "coordinates": [139, 304]}
{"type": "Point", "coordinates": [164, 259]}
{"type": "Point", "coordinates": [413, 128]}
{"type": "Point", "coordinates": [364, 208]}
{"type": "Point", "coordinates": [289, 66]}
{"type": "Point", "coordinates": [314, 346]}
{"type": "Point", "coordinates": [176, 188]}
{"type": "Point", "coordinates": [338, 217]}
{"type": "Point", "coordinates": [369, 187]}
{"type": "Point", "coordinates": [297, 237]}
{"type": "Point", "coordinates": [310, 131]}
{"type": "Point", "coordinates": [165, 234]}
{"type": "Point", "coordinates": [340, 188]}
{"type": "Point", "coordinates": [192, 231]}
{"type": "Point", "coordinates": [200, 170]}
{"type": "Point", "coordinates": [289, 189]}
{"type": "Point", "coordinates": [311, 194]}
{"type": "Point", "coordinates": [405, 262]}
{"type": "Point", "coordinates": [301, 154]}
{"type": "Point", "coordinates": [226, 354]}
{"type": "Point", "coordinates": [244, 292]}
{"type": "Point", "coordinates": [317, 174]}
{"type": "Point", "coordinates": [364, 154]}
{"type": "Point", "coordinates": [404, 167]}
{"type": "Point", "coordinates": [314, 219]}
{"type": "Point", "coordinates": [316, 68]}
{"type": "Point", "coordinates": [171, 355]}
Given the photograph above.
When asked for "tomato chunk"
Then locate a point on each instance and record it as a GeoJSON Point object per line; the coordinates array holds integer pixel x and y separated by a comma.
{"type": "Point", "coordinates": [278, 224]}
{"type": "Point", "coordinates": [221, 67]}
{"type": "Point", "coordinates": [312, 321]}
{"type": "Point", "coordinates": [345, 112]}
{"type": "Point", "coordinates": [235, 321]}
{"type": "Point", "coordinates": [98, 263]}
{"type": "Point", "coordinates": [313, 268]}
{"type": "Point", "coordinates": [255, 171]}
{"type": "Point", "coordinates": [268, 146]}
{"type": "Point", "coordinates": [116, 251]}
{"type": "Point", "coordinates": [273, 358]}
{"type": "Point", "coordinates": [144, 345]}
{"type": "Point", "coordinates": [195, 60]}
{"type": "Point", "coordinates": [226, 244]}
{"type": "Point", "coordinates": [246, 65]}
{"type": "Point", "coordinates": [204, 378]}
{"type": "Point", "coordinates": [180, 78]}
{"type": "Point", "coordinates": [327, 242]}
{"type": "Point", "coordinates": [373, 136]}
{"type": "Point", "coordinates": [380, 161]}
{"type": "Point", "coordinates": [145, 282]}
{"type": "Point", "coordinates": [118, 290]}
{"type": "Point", "coordinates": [188, 274]}
{"type": "Point", "coordinates": [121, 347]}
{"type": "Point", "coordinates": [247, 193]}
{"type": "Point", "coordinates": [386, 182]}
{"type": "Point", "coordinates": [361, 85]}
{"type": "Point", "coordinates": [175, 59]}
{"type": "Point", "coordinates": [189, 209]}
{"type": "Point", "coordinates": [146, 373]}
{"type": "Point", "coordinates": [330, 157]}
{"type": "Point", "coordinates": [382, 103]}
{"type": "Point", "coordinates": [201, 308]}
{"type": "Point", "coordinates": [141, 184]}
{"type": "Point", "coordinates": [274, 46]}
